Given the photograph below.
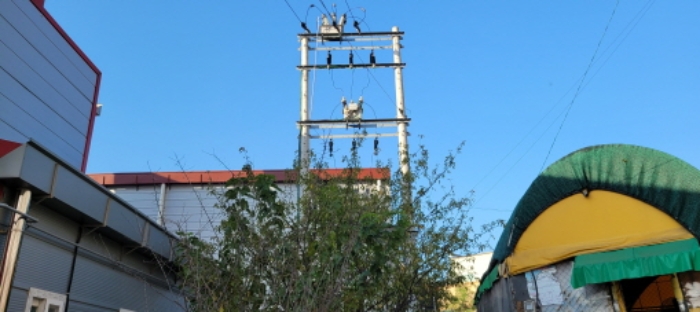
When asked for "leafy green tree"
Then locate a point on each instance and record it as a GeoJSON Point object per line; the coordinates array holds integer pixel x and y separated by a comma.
{"type": "Point", "coordinates": [347, 243]}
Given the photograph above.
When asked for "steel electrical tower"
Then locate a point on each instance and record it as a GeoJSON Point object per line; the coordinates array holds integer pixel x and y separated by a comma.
{"type": "Point", "coordinates": [332, 37]}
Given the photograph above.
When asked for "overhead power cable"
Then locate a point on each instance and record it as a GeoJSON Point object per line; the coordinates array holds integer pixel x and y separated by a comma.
{"type": "Point", "coordinates": [614, 45]}
{"type": "Point", "coordinates": [578, 90]}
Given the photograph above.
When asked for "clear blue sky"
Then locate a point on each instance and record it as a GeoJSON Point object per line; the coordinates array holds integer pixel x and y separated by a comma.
{"type": "Point", "coordinates": [187, 79]}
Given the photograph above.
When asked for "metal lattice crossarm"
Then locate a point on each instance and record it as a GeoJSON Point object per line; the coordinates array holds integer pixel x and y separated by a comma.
{"type": "Point", "coordinates": [346, 66]}
{"type": "Point", "coordinates": [355, 124]}
{"type": "Point", "coordinates": [352, 34]}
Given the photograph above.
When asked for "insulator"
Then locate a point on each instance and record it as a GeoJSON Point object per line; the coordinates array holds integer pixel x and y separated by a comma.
{"type": "Point", "coordinates": [357, 26]}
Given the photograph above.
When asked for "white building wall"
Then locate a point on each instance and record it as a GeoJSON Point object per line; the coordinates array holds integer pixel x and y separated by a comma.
{"type": "Point", "coordinates": [473, 267]}
{"type": "Point", "coordinates": [46, 87]}
{"type": "Point", "coordinates": [187, 208]}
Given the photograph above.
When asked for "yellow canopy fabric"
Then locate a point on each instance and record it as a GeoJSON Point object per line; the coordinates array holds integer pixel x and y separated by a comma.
{"type": "Point", "coordinates": [601, 221]}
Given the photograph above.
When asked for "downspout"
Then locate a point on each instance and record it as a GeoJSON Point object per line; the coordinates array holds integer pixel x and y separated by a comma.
{"type": "Point", "coordinates": [12, 249]}
{"type": "Point", "coordinates": [161, 206]}
{"type": "Point", "coordinates": [72, 267]}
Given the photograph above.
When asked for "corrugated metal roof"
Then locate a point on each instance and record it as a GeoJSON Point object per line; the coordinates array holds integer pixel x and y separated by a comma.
{"type": "Point", "coordinates": [217, 176]}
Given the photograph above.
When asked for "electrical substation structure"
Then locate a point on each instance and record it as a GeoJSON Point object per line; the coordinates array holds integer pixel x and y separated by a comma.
{"type": "Point", "coordinates": [330, 38]}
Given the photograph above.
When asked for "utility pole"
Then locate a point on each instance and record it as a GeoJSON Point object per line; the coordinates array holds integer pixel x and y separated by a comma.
{"type": "Point", "coordinates": [331, 38]}
{"type": "Point", "coordinates": [304, 133]}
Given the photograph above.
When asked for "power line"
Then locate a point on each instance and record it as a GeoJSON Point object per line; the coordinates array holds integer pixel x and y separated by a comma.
{"type": "Point", "coordinates": [578, 90]}
{"type": "Point", "coordinates": [634, 22]}
{"type": "Point", "coordinates": [324, 6]}
{"type": "Point", "coordinates": [519, 159]}
{"type": "Point", "coordinates": [295, 13]}
{"type": "Point", "coordinates": [627, 30]}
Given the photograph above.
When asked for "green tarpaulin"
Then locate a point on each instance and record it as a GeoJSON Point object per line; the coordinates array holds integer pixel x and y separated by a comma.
{"type": "Point", "coordinates": [487, 282]}
{"type": "Point", "coordinates": [628, 263]}
{"type": "Point", "coordinates": [656, 178]}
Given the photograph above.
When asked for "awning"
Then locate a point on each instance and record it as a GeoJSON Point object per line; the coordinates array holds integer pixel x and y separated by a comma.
{"type": "Point", "coordinates": [636, 262]}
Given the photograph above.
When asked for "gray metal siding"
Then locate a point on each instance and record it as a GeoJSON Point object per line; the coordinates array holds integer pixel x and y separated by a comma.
{"type": "Point", "coordinates": [192, 209]}
{"type": "Point", "coordinates": [105, 286]}
{"type": "Point", "coordinates": [45, 38]}
{"type": "Point", "coordinates": [15, 36]}
{"type": "Point", "coordinates": [43, 265]}
{"type": "Point", "coordinates": [145, 199]}
{"type": "Point", "coordinates": [5, 223]}
{"type": "Point", "coordinates": [46, 88]}
{"type": "Point", "coordinates": [3, 242]}
{"type": "Point", "coordinates": [54, 223]}
{"type": "Point", "coordinates": [10, 133]}
{"type": "Point", "coordinates": [78, 193]}
{"type": "Point", "coordinates": [54, 38]}
{"type": "Point", "coordinates": [37, 169]}
{"type": "Point", "coordinates": [20, 102]}
{"type": "Point", "coordinates": [18, 299]}
{"type": "Point", "coordinates": [77, 306]}
{"type": "Point", "coordinates": [183, 210]}
{"type": "Point", "coordinates": [127, 222]}
{"type": "Point", "coordinates": [101, 245]}
{"type": "Point", "coordinates": [188, 208]}
{"type": "Point", "coordinates": [159, 242]}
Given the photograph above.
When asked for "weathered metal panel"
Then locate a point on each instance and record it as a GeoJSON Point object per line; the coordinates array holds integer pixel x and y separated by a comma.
{"type": "Point", "coordinates": [11, 163]}
{"type": "Point", "coordinates": [589, 298]}
{"type": "Point", "coordinates": [159, 242]}
{"type": "Point", "coordinates": [689, 283]}
{"type": "Point", "coordinates": [54, 223]}
{"type": "Point", "coordinates": [37, 169]}
{"type": "Point", "coordinates": [31, 12]}
{"type": "Point", "coordinates": [550, 289]}
{"type": "Point", "coordinates": [18, 299]}
{"type": "Point", "coordinates": [78, 193]}
{"type": "Point", "coordinates": [498, 298]}
{"type": "Point", "coordinates": [77, 306]}
{"type": "Point", "coordinates": [94, 282]}
{"type": "Point", "coordinates": [101, 245]}
{"type": "Point", "coordinates": [42, 263]}
{"type": "Point", "coordinates": [127, 222]}
{"type": "Point", "coordinates": [3, 242]}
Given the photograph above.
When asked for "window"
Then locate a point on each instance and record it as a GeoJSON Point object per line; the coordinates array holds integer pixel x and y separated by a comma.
{"type": "Point", "coordinates": [45, 301]}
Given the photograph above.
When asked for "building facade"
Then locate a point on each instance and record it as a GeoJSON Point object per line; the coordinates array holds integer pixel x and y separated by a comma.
{"type": "Point", "coordinates": [187, 201]}
{"type": "Point", "coordinates": [48, 87]}
{"type": "Point", "coordinates": [68, 244]}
